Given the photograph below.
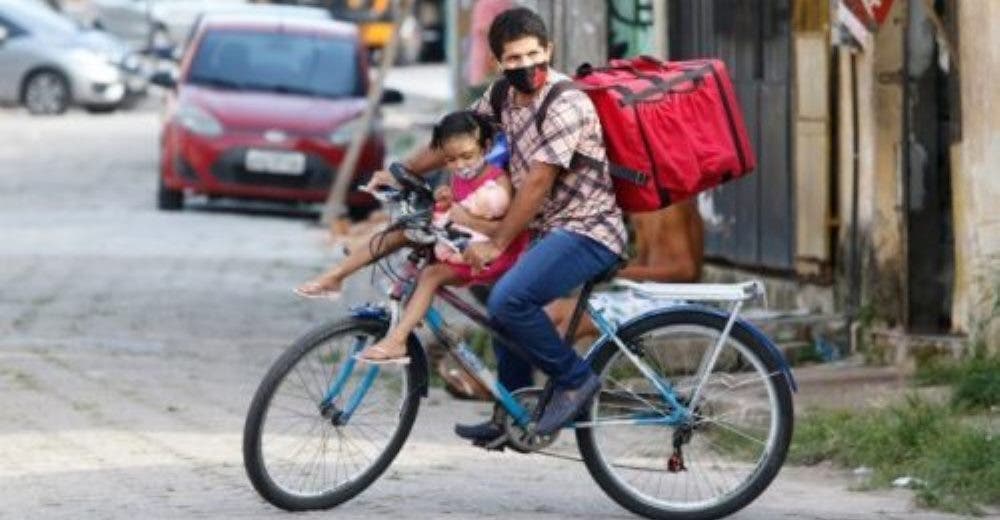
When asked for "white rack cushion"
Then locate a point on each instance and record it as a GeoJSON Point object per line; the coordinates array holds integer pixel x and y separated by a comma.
{"type": "Point", "coordinates": [694, 291]}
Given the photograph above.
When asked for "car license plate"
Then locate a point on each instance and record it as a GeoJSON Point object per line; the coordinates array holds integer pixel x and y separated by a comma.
{"type": "Point", "coordinates": [280, 163]}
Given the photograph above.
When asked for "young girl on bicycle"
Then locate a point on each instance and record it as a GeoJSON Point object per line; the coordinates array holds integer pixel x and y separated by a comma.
{"type": "Point", "coordinates": [475, 201]}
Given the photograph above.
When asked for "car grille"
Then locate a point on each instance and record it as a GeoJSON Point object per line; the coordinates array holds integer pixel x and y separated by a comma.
{"type": "Point", "coordinates": [230, 168]}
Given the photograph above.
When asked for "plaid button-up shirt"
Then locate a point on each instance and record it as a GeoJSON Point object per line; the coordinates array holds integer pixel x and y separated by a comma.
{"type": "Point", "coordinates": [582, 199]}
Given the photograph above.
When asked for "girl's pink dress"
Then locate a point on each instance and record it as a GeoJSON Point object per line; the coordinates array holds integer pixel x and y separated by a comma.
{"type": "Point", "coordinates": [482, 197]}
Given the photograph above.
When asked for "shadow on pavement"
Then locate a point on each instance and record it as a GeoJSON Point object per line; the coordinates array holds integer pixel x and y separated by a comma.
{"type": "Point", "coordinates": [257, 209]}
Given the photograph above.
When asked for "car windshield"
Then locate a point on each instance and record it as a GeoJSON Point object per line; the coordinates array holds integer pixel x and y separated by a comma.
{"type": "Point", "coordinates": [292, 63]}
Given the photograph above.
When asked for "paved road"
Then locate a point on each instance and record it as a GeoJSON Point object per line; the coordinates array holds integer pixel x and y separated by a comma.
{"type": "Point", "coordinates": [131, 340]}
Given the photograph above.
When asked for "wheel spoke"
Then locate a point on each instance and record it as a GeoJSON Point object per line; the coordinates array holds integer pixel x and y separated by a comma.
{"type": "Point", "coordinates": [731, 434]}
{"type": "Point", "coordinates": [308, 454]}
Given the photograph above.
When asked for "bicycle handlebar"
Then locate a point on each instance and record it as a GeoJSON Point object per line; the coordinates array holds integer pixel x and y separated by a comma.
{"type": "Point", "coordinates": [410, 182]}
{"type": "Point", "coordinates": [383, 193]}
{"type": "Point", "coordinates": [414, 218]}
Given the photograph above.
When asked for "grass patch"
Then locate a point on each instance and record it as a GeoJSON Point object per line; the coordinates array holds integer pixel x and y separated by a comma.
{"type": "Point", "coordinates": [975, 380]}
{"type": "Point", "coordinates": [481, 343]}
{"type": "Point", "coordinates": [955, 462]}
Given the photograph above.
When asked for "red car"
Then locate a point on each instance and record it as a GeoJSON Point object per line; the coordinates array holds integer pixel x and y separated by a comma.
{"type": "Point", "coordinates": [265, 109]}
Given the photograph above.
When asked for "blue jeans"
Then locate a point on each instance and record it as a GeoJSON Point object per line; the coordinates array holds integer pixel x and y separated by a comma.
{"type": "Point", "coordinates": [554, 266]}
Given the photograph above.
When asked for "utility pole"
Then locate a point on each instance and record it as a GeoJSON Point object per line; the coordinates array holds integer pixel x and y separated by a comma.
{"type": "Point", "coordinates": [335, 207]}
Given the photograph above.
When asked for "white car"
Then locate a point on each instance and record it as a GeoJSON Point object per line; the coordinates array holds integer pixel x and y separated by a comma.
{"type": "Point", "coordinates": [48, 62]}
{"type": "Point", "coordinates": [153, 25]}
{"type": "Point", "coordinates": [162, 27]}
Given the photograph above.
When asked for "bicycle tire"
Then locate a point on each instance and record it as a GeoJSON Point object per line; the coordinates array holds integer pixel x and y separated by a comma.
{"type": "Point", "coordinates": [253, 457]}
{"type": "Point", "coordinates": [766, 470]}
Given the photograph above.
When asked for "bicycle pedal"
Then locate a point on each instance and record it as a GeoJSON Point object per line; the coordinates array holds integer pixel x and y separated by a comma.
{"type": "Point", "coordinates": [498, 444]}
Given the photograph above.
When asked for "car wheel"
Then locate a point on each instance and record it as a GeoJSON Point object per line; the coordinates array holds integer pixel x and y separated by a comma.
{"type": "Point", "coordinates": [169, 199]}
{"type": "Point", "coordinates": [46, 92]}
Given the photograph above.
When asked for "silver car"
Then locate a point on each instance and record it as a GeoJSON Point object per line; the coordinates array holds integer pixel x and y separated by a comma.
{"type": "Point", "coordinates": [48, 62]}
{"type": "Point", "coordinates": [153, 25]}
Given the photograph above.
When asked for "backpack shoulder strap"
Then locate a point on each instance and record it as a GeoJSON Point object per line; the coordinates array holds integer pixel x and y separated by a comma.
{"type": "Point", "coordinates": [543, 110]}
{"type": "Point", "coordinates": [498, 96]}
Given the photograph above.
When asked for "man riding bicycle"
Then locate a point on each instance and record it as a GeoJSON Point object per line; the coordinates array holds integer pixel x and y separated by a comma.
{"type": "Point", "coordinates": [569, 204]}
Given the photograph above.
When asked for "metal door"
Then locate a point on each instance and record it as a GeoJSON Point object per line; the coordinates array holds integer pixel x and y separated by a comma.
{"type": "Point", "coordinates": [751, 222]}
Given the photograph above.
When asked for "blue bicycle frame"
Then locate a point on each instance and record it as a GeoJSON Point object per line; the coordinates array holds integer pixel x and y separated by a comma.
{"type": "Point", "coordinates": [522, 416]}
{"type": "Point", "coordinates": [673, 413]}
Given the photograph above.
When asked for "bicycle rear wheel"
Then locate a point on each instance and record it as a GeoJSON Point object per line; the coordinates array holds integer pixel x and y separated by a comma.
{"type": "Point", "coordinates": [729, 451]}
{"type": "Point", "coordinates": [302, 450]}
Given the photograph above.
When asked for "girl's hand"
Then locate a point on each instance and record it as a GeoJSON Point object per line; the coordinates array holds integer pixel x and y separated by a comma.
{"type": "Point", "coordinates": [444, 195]}
{"type": "Point", "coordinates": [459, 215]}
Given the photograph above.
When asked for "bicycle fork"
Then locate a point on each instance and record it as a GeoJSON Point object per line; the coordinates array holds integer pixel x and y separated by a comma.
{"type": "Point", "coordinates": [340, 416]}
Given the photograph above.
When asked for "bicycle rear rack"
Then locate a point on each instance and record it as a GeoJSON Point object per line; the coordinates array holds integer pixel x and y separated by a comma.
{"type": "Point", "coordinates": [734, 292]}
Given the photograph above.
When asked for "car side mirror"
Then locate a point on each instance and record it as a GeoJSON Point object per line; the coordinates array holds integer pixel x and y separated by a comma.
{"type": "Point", "coordinates": [164, 79]}
{"type": "Point", "coordinates": [391, 96]}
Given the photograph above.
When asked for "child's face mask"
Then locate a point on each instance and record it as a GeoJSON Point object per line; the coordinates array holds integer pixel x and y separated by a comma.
{"type": "Point", "coordinates": [472, 170]}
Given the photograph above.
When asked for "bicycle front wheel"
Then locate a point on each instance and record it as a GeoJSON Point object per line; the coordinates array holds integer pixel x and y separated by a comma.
{"type": "Point", "coordinates": [322, 427]}
{"type": "Point", "coordinates": [716, 462]}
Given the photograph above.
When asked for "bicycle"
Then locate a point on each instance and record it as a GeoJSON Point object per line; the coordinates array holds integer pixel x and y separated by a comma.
{"type": "Point", "coordinates": [693, 420]}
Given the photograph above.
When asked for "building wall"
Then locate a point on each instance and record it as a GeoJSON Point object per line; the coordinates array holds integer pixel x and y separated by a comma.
{"type": "Point", "coordinates": [878, 72]}
{"type": "Point", "coordinates": [811, 136]}
{"type": "Point", "coordinates": [976, 179]}
{"type": "Point", "coordinates": [884, 264]}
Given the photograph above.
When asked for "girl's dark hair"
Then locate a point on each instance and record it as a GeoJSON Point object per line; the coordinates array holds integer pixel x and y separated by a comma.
{"type": "Point", "coordinates": [514, 24]}
{"type": "Point", "coordinates": [465, 122]}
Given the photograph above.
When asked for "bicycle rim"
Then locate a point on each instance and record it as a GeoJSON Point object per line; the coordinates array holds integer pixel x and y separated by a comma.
{"type": "Point", "coordinates": [730, 450]}
{"type": "Point", "coordinates": [303, 452]}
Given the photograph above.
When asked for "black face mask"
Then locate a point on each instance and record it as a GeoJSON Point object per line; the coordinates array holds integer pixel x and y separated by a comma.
{"type": "Point", "coordinates": [528, 79]}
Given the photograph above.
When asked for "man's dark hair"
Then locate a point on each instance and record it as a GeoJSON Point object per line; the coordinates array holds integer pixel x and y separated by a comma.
{"type": "Point", "coordinates": [465, 122]}
{"type": "Point", "coordinates": [514, 24]}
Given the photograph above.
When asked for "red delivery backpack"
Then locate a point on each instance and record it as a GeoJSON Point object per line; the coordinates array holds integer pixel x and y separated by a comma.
{"type": "Point", "coordinates": [672, 129]}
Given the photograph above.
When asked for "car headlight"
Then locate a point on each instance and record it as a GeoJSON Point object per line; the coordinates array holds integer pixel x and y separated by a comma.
{"type": "Point", "coordinates": [344, 133]}
{"type": "Point", "coordinates": [131, 61]}
{"type": "Point", "coordinates": [198, 121]}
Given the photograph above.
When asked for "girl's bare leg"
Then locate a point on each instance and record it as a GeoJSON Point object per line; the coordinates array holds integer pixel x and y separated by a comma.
{"type": "Point", "coordinates": [331, 280]}
{"type": "Point", "coordinates": [393, 345]}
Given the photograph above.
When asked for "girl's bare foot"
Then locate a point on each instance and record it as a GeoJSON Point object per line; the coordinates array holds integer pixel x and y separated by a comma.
{"type": "Point", "coordinates": [389, 350]}
{"type": "Point", "coordinates": [322, 287]}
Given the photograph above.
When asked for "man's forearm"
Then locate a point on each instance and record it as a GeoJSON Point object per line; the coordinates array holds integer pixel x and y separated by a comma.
{"type": "Point", "coordinates": [425, 160]}
{"type": "Point", "coordinates": [482, 225]}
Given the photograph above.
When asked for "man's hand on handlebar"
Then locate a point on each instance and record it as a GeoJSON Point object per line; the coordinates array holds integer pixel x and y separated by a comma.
{"type": "Point", "coordinates": [481, 254]}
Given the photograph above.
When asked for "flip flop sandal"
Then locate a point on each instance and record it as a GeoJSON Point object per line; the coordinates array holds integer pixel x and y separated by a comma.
{"type": "Point", "coordinates": [400, 360]}
{"type": "Point", "coordinates": [326, 295]}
